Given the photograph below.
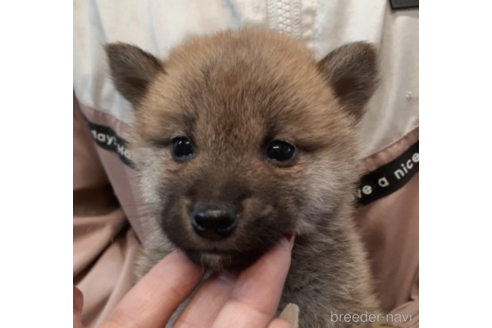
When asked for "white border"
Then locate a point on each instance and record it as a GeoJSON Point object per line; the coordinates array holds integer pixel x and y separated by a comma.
{"type": "Point", "coordinates": [35, 163]}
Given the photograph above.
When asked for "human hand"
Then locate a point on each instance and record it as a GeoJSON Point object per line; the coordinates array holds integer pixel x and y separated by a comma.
{"type": "Point", "coordinates": [249, 299]}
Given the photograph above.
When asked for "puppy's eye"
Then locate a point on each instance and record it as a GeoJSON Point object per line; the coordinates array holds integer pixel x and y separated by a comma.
{"type": "Point", "coordinates": [280, 151]}
{"type": "Point", "coordinates": [181, 148]}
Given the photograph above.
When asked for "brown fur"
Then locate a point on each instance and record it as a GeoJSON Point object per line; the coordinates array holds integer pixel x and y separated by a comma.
{"type": "Point", "coordinates": [231, 94]}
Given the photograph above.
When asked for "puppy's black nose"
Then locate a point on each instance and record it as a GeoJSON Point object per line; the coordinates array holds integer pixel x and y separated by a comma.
{"type": "Point", "coordinates": [214, 221]}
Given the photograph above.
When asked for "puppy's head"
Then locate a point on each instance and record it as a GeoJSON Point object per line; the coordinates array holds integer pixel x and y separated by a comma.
{"type": "Point", "coordinates": [242, 138]}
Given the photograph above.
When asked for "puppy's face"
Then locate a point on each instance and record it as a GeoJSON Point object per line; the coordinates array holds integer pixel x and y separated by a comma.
{"type": "Point", "coordinates": [242, 138]}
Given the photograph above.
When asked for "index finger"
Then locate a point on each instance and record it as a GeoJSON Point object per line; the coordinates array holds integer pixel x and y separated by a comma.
{"type": "Point", "coordinates": [154, 299]}
{"type": "Point", "coordinates": [256, 295]}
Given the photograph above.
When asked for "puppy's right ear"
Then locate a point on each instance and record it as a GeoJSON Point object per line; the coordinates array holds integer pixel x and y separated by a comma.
{"type": "Point", "coordinates": [352, 72]}
{"type": "Point", "coordinates": [132, 70]}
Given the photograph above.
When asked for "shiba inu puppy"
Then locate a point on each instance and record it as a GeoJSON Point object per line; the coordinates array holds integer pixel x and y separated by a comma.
{"type": "Point", "coordinates": [242, 138]}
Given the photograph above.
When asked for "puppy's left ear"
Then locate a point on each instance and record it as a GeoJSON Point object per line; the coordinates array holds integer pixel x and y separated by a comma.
{"type": "Point", "coordinates": [351, 71]}
{"type": "Point", "coordinates": [132, 70]}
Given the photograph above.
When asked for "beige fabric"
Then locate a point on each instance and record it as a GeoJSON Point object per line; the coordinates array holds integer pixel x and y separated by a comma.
{"type": "Point", "coordinates": [390, 229]}
{"type": "Point", "coordinates": [105, 246]}
{"type": "Point", "coordinates": [121, 177]}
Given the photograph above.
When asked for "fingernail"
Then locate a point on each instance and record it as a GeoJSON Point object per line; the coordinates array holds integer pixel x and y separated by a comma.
{"type": "Point", "coordinates": [290, 238]}
{"type": "Point", "coordinates": [78, 299]}
{"type": "Point", "coordinates": [291, 315]}
{"type": "Point", "coordinates": [227, 277]}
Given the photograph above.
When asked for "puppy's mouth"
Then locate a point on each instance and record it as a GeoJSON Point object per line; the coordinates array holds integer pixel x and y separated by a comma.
{"type": "Point", "coordinates": [224, 260]}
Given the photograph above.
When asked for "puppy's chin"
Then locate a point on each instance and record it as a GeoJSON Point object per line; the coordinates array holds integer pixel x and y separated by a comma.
{"type": "Point", "coordinates": [224, 261]}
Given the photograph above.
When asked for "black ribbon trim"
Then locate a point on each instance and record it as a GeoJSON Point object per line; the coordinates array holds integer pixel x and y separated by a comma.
{"type": "Point", "coordinates": [388, 178]}
{"type": "Point", "coordinates": [106, 138]}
